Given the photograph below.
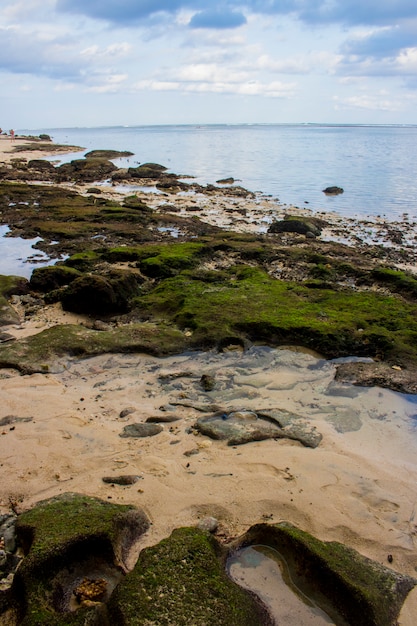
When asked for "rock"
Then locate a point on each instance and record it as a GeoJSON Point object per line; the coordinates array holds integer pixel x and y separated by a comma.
{"type": "Point", "coordinates": [239, 427]}
{"type": "Point", "coordinates": [127, 479]}
{"type": "Point", "coordinates": [46, 279]}
{"type": "Point", "coordinates": [349, 587]}
{"type": "Point", "coordinates": [378, 374]}
{"type": "Point", "coordinates": [67, 540]}
{"type": "Point", "coordinates": [333, 191]}
{"type": "Point", "coordinates": [128, 411]}
{"type": "Point", "coordinates": [299, 225]}
{"type": "Point", "coordinates": [141, 430]}
{"type": "Point", "coordinates": [209, 524]}
{"type": "Point", "coordinates": [207, 382]}
{"type": "Point", "coordinates": [13, 419]}
{"type": "Point", "coordinates": [182, 580]}
{"type": "Point", "coordinates": [225, 181]}
{"type": "Point", "coordinates": [85, 170]}
{"type": "Point", "coordinates": [95, 294]}
{"type": "Point", "coordinates": [163, 419]}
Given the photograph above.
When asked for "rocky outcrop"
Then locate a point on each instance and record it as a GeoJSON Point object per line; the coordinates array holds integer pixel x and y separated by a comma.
{"type": "Point", "coordinates": [245, 426]}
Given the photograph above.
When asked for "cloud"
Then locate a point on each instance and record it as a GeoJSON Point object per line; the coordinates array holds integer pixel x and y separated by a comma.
{"type": "Point", "coordinates": [309, 11]}
{"type": "Point", "coordinates": [275, 89]}
{"type": "Point", "coordinates": [374, 102]}
{"type": "Point", "coordinates": [217, 19]}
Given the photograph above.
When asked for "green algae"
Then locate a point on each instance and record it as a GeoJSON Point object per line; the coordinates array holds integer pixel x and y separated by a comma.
{"type": "Point", "coordinates": [255, 306]}
{"type": "Point", "coordinates": [182, 581]}
{"type": "Point", "coordinates": [62, 538]}
{"type": "Point", "coordinates": [351, 588]}
{"type": "Point", "coordinates": [37, 353]}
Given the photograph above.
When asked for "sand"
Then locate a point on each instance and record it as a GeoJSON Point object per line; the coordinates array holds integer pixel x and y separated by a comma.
{"type": "Point", "coordinates": [357, 487]}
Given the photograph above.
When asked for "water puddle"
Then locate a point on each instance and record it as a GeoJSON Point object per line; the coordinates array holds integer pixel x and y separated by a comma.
{"type": "Point", "coordinates": [17, 255]}
{"type": "Point", "coordinates": [263, 571]}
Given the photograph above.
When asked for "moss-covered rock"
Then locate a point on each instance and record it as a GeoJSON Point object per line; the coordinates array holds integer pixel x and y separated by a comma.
{"type": "Point", "coordinates": [10, 285]}
{"type": "Point", "coordinates": [46, 279]}
{"type": "Point", "coordinates": [101, 295]}
{"type": "Point", "coordinates": [251, 304]}
{"type": "Point", "coordinates": [182, 581]}
{"type": "Point", "coordinates": [351, 588]}
{"type": "Point", "coordinates": [66, 540]}
{"type": "Point", "coordinates": [85, 170]}
{"type": "Point", "coordinates": [38, 353]}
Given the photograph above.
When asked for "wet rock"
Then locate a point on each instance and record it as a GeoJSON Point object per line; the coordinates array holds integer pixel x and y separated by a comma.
{"type": "Point", "coordinates": [349, 587]}
{"type": "Point", "coordinates": [182, 580]}
{"type": "Point", "coordinates": [378, 374]}
{"type": "Point", "coordinates": [225, 181]}
{"type": "Point", "coordinates": [141, 430]}
{"type": "Point", "coordinates": [85, 170]}
{"type": "Point", "coordinates": [126, 479]}
{"type": "Point", "coordinates": [13, 419]}
{"type": "Point", "coordinates": [299, 225]}
{"type": "Point", "coordinates": [128, 411]}
{"type": "Point", "coordinates": [163, 419]}
{"type": "Point", "coordinates": [333, 190]}
{"type": "Point", "coordinates": [68, 540]}
{"type": "Point", "coordinates": [207, 382]}
{"type": "Point", "coordinates": [239, 427]}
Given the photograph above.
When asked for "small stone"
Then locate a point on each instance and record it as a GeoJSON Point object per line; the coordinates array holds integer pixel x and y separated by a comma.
{"type": "Point", "coordinates": [128, 411]}
{"type": "Point", "coordinates": [192, 452]}
{"type": "Point", "coordinates": [127, 479]}
{"type": "Point", "coordinates": [209, 524]}
{"type": "Point", "coordinates": [141, 430]}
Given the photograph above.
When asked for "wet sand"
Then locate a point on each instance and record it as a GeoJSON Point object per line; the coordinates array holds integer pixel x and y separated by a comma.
{"type": "Point", "coordinates": [357, 487]}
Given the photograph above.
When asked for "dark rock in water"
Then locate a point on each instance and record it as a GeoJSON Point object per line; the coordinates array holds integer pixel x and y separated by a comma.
{"type": "Point", "coordinates": [378, 374]}
{"type": "Point", "coordinates": [107, 154]}
{"type": "Point", "coordinates": [207, 382]}
{"type": "Point", "coordinates": [299, 225]}
{"type": "Point", "coordinates": [226, 181]}
{"type": "Point", "coordinates": [147, 170]}
{"type": "Point", "coordinates": [126, 479]}
{"type": "Point", "coordinates": [333, 190]}
{"type": "Point", "coordinates": [239, 427]}
{"type": "Point", "coordinates": [85, 170]}
{"type": "Point", "coordinates": [182, 581]}
{"type": "Point", "coordinates": [141, 430]}
{"type": "Point", "coordinates": [349, 587]}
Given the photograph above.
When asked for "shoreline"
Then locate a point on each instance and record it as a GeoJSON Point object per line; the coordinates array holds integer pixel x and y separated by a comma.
{"type": "Point", "coordinates": [357, 487]}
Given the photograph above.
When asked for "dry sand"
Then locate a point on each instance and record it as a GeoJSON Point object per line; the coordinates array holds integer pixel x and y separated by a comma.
{"type": "Point", "coordinates": [357, 487]}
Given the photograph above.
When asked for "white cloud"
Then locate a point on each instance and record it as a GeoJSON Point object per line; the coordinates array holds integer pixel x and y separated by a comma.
{"type": "Point", "coordinates": [275, 89]}
{"type": "Point", "coordinates": [374, 102]}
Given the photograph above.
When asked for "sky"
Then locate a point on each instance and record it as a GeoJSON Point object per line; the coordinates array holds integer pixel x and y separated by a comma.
{"type": "Point", "coordinates": [67, 63]}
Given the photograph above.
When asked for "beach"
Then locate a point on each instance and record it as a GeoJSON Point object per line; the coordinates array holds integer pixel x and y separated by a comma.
{"type": "Point", "coordinates": [357, 487]}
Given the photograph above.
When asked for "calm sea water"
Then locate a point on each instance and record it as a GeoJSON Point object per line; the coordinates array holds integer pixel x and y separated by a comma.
{"type": "Point", "coordinates": [375, 165]}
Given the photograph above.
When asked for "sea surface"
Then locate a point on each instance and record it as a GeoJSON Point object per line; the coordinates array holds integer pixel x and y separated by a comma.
{"type": "Point", "coordinates": [375, 165]}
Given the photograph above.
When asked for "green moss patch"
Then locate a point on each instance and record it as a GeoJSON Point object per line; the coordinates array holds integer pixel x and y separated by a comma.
{"type": "Point", "coordinates": [351, 588]}
{"type": "Point", "coordinates": [260, 308]}
{"type": "Point", "coordinates": [39, 352]}
{"type": "Point", "coordinates": [182, 581]}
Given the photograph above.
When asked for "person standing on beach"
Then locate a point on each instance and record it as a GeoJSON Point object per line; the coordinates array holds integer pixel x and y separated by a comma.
{"type": "Point", "coordinates": [11, 134]}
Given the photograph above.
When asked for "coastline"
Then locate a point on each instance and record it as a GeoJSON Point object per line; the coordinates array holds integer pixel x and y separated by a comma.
{"type": "Point", "coordinates": [357, 487]}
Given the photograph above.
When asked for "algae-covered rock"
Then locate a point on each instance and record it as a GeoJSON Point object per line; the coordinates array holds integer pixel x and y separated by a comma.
{"type": "Point", "coordinates": [350, 588]}
{"type": "Point", "coordinates": [298, 225]}
{"type": "Point", "coordinates": [239, 427]}
{"type": "Point", "coordinates": [10, 285]}
{"type": "Point", "coordinates": [102, 295]}
{"type": "Point", "coordinates": [68, 540]}
{"type": "Point", "coordinates": [85, 170]}
{"type": "Point", "coordinates": [52, 277]}
{"type": "Point", "coordinates": [182, 581]}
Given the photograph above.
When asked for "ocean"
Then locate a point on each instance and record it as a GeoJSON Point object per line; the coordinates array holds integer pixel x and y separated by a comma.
{"type": "Point", "coordinates": [375, 165]}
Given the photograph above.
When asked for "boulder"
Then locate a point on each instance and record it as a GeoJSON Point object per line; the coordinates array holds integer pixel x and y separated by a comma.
{"type": "Point", "coordinates": [239, 427]}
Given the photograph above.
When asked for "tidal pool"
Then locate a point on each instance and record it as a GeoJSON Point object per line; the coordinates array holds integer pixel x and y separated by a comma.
{"type": "Point", "coordinates": [263, 571]}
{"type": "Point", "coordinates": [17, 255]}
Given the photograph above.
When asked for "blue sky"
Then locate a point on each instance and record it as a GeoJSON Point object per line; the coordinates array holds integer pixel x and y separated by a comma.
{"type": "Point", "coordinates": [111, 62]}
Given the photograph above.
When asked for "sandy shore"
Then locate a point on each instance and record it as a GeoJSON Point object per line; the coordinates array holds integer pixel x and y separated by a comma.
{"type": "Point", "coordinates": [357, 487]}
